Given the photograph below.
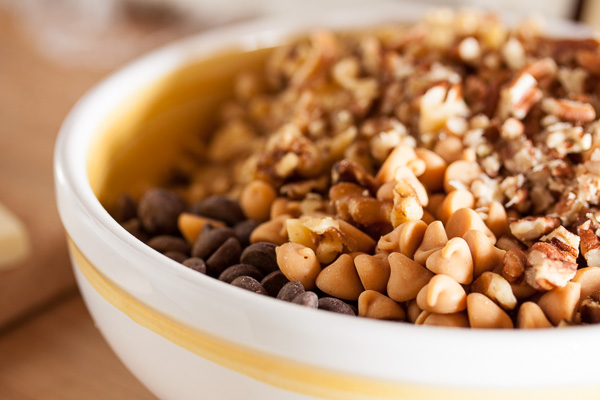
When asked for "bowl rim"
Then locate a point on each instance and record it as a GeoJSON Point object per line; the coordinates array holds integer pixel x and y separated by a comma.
{"type": "Point", "coordinates": [82, 122]}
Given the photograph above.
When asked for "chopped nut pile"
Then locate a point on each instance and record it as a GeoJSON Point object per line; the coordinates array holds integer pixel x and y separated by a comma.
{"type": "Point", "coordinates": [445, 174]}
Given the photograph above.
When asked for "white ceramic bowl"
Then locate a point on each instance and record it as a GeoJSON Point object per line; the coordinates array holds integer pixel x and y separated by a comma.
{"type": "Point", "coordinates": [188, 336]}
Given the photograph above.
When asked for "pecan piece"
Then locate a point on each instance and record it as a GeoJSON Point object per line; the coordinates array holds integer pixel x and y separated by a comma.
{"type": "Point", "coordinates": [590, 243]}
{"type": "Point", "coordinates": [517, 98]}
{"type": "Point", "coordinates": [589, 60]}
{"type": "Point", "coordinates": [532, 228]}
{"type": "Point", "coordinates": [564, 240]}
{"type": "Point", "coordinates": [569, 110]}
{"type": "Point", "coordinates": [550, 265]}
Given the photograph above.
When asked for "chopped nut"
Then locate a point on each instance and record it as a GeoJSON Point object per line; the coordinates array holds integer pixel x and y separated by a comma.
{"type": "Point", "coordinates": [542, 69]}
{"type": "Point", "coordinates": [532, 228]}
{"type": "Point", "coordinates": [572, 80]}
{"type": "Point", "coordinates": [440, 103]}
{"type": "Point", "coordinates": [590, 243]}
{"type": "Point", "coordinates": [469, 49]}
{"type": "Point", "coordinates": [514, 263]}
{"type": "Point", "coordinates": [569, 110]}
{"type": "Point", "coordinates": [548, 266]}
{"type": "Point", "coordinates": [589, 60]}
{"type": "Point", "coordinates": [406, 204]}
{"type": "Point", "coordinates": [496, 288]}
{"type": "Point", "coordinates": [565, 241]}
{"type": "Point", "coordinates": [566, 138]}
{"type": "Point", "coordinates": [513, 54]}
{"type": "Point", "coordinates": [299, 190]}
{"type": "Point", "coordinates": [351, 171]}
{"type": "Point", "coordinates": [518, 97]}
{"type": "Point", "coordinates": [512, 129]}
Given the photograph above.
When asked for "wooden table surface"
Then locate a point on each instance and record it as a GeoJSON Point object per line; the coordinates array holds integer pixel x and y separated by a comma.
{"type": "Point", "coordinates": [49, 346]}
{"type": "Point", "coordinates": [60, 355]}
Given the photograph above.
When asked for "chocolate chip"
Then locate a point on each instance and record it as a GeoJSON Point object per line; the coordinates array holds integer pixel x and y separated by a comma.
{"type": "Point", "coordinates": [195, 263]}
{"type": "Point", "coordinates": [176, 256]}
{"type": "Point", "coordinates": [248, 283]}
{"type": "Point", "coordinates": [290, 290]}
{"type": "Point", "coordinates": [134, 226]}
{"type": "Point", "coordinates": [226, 255]}
{"type": "Point", "coordinates": [209, 241]}
{"type": "Point", "coordinates": [307, 299]}
{"type": "Point", "coordinates": [274, 282]}
{"type": "Point", "coordinates": [238, 270]}
{"type": "Point", "coordinates": [335, 305]}
{"type": "Point", "coordinates": [244, 229]}
{"type": "Point", "coordinates": [125, 208]}
{"type": "Point", "coordinates": [220, 207]}
{"type": "Point", "coordinates": [158, 211]}
{"type": "Point", "coordinates": [164, 243]}
{"type": "Point", "coordinates": [262, 256]}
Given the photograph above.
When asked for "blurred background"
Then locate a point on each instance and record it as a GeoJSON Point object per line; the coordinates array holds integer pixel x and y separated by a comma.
{"type": "Point", "coordinates": [51, 52]}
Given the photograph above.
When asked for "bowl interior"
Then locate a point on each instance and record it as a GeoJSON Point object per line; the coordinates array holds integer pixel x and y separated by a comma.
{"type": "Point", "coordinates": [139, 144]}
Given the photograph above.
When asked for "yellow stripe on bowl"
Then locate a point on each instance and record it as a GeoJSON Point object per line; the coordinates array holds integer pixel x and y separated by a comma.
{"type": "Point", "coordinates": [291, 375]}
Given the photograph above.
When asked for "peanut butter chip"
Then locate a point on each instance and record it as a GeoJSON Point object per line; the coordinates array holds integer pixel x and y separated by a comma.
{"type": "Point", "coordinates": [486, 257]}
{"type": "Point", "coordinates": [460, 174]}
{"type": "Point", "coordinates": [464, 220]}
{"type": "Point", "coordinates": [435, 167]}
{"type": "Point", "coordinates": [454, 260]}
{"type": "Point", "coordinates": [484, 313]}
{"type": "Point", "coordinates": [531, 316]}
{"type": "Point", "coordinates": [455, 200]}
{"type": "Point", "coordinates": [455, 320]}
{"type": "Point", "coordinates": [412, 310]}
{"type": "Point", "coordinates": [354, 239]}
{"type": "Point", "coordinates": [560, 303]}
{"type": "Point", "coordinates": [190, 225]}
{"type": "Point", "coordinates": [589, 279]}
{"type": "Point", "coordinates": [442, 295]}
{"type": "Point", "coordinates": [433, 239]}
{"type": "Point", "coordinates": [372, 304]}
{"type": "Point", "coordinates": [449, 148]}
{"type": "Point", "coordinates": [406, 238]}
{"type": "Point", "coordinates": [340, 279]}
{"type": "Point", "coordinates": [256, 200]}
{"type": "Point", "coordinates": [407, 277]}
{"type": "Point", "coordinates": [435, 203]}
{"type": "Point", "coordinates": [374, 272]}
{"type": "Point", "coordinates": [399, 157]}
{"type": "Point", "coordinates": [298, 263]}
{"type": "Point", "coordinates": [273, 231]}
{"type": "Point", "coordinates": [497, 219]}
